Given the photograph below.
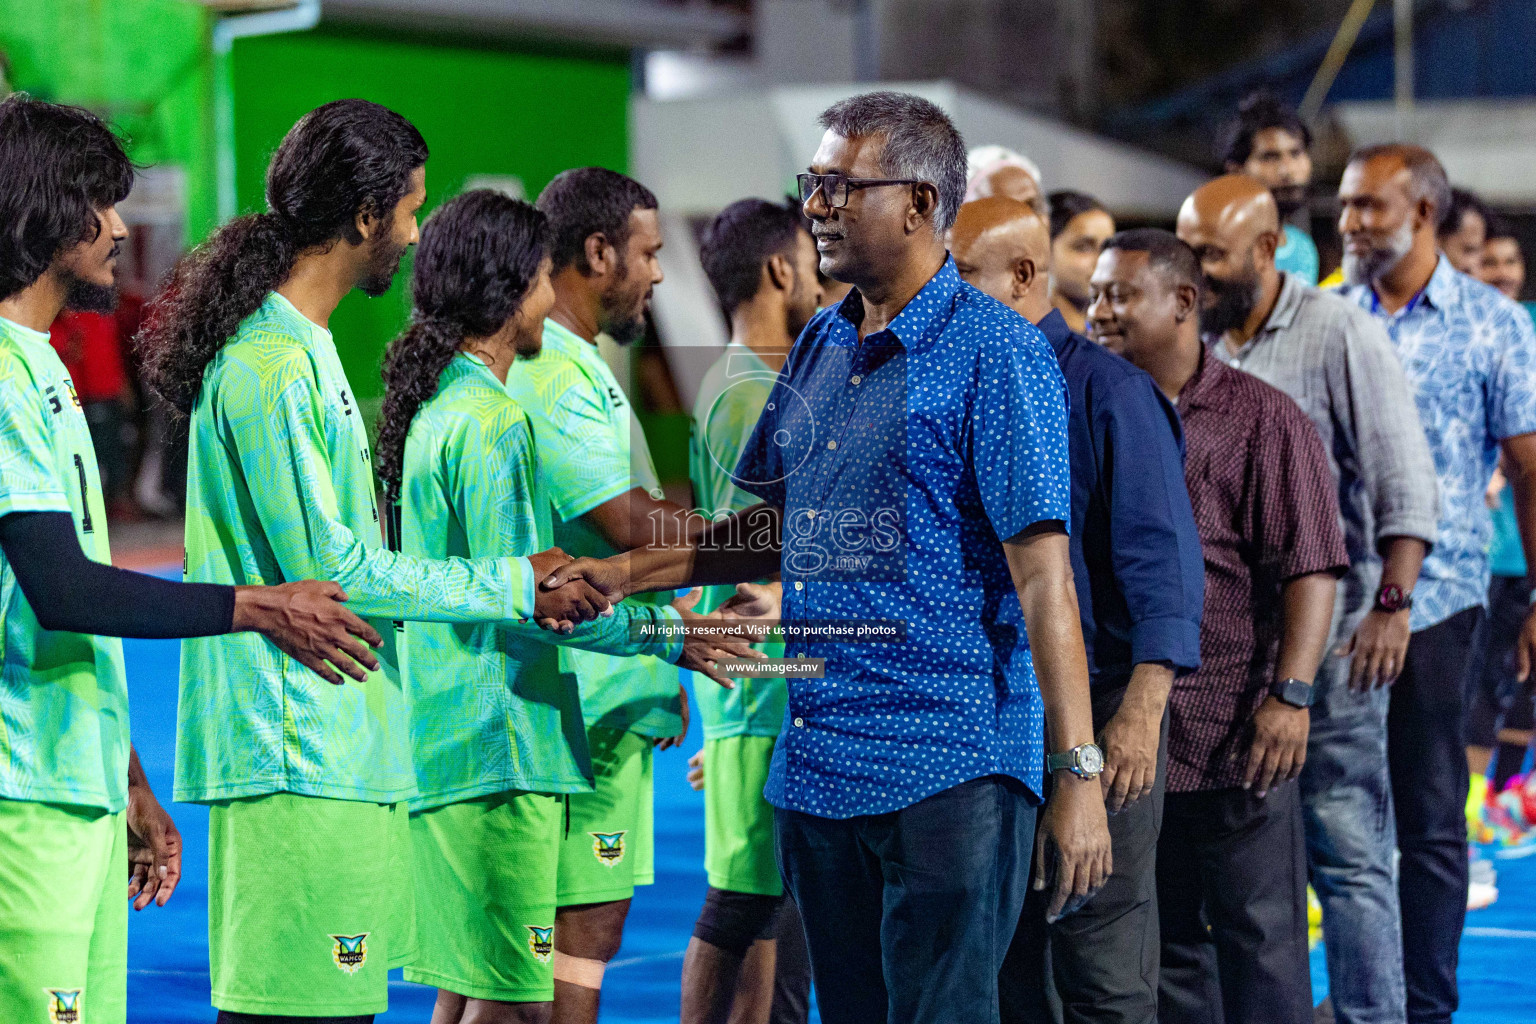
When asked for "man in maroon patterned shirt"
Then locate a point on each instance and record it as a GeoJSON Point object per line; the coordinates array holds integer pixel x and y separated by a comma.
{"type": "Point", "coordinates": [1231, 866]}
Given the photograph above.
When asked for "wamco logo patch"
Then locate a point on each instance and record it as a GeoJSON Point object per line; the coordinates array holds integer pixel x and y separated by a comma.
{"type": "Point", "coordinates": [608, 847]}
{"type": "Point", "coordinates": [63, 1005]}
{"type": "Point", "coordinates": [541, 943]}
{"type": "Point", "coordinates": [350, 952]}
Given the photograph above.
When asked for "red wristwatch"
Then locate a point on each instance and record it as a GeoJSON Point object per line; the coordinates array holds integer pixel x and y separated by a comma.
{"type": "Point", "coordinates": [1393, 598]}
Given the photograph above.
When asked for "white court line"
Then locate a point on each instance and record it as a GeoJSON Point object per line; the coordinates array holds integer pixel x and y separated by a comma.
{"type": "Point", "coordinates": [658, 957]}
{"type": "Point", "coordinates": [1499, 933]}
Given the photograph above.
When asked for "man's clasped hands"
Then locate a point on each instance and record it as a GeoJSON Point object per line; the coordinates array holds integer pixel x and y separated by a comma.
{"type": "Point", "coordinates": [588, 588]}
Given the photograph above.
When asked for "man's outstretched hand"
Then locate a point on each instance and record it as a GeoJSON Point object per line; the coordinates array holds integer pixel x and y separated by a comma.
{"type": "Point", "coordinates": [707, 639]}
{"type": "Point", "coordinates": [754, 601]}
{"type": "Point", "coordinates": [307, 622]}
{"type": "Point", "coordinates": [563, 609]}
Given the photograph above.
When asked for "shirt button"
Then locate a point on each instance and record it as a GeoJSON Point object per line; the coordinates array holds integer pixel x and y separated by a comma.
{"type": "Point", "coordinates": [799, 585]}
{"type": "Point", "coordinates": [799, 723]}
{"type": "Point", "coordinates": [832, 445]}
{"type": "Point", "coordinates": [855, 379]}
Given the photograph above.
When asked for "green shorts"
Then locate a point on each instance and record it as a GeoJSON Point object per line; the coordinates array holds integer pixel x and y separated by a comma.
{"type": "Point", "coordinates": [310, 903]}
{"type": "Point", "coordinates": [738, 822]}
{"type": "Point", "coordinates": [485, 896]}
{"type": "Point", "coordinates": [63, 914]}
{"type": "Point", "coordinates": [608, 846]}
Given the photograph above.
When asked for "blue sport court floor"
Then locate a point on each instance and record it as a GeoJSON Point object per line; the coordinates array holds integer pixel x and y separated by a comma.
{"type": "Point", "coordinates": [168, 946]}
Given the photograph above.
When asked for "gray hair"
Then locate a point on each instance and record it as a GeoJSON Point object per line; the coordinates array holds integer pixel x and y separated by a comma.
{"type": "Point", "coordinates": [920, 142]}
{"type": "Point", "coordinates": [1426, 175]}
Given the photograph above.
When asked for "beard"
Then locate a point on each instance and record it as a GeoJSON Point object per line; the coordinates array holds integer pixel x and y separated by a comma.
{"type": "Point", "coordinates": [82, 296]}
{"type": "Point", "coordinates": [1289, 198]}
{"type": "Point", "coordinates": [383, 265]}
{"type": "Point", "coordinates": [1368, 266]}
{"type": "Point", "coordinates": [623, 316]}
{"type": "Point", "coordinates": [1233, 301]}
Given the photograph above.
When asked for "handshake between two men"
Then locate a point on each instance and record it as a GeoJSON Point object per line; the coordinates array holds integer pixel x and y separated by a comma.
{"type": "Point", "coordinates": [573, 591]}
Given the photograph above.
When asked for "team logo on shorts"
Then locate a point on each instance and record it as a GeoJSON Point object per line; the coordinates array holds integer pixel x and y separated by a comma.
{"type": "Point", "coordinates": [63, 1005]}
{"type": "Point", "coordinates": [350, 952]}
{"type": "Point", "coordinates": [608, 847]}
{"type": "Point", "coordinates": [541, 943]}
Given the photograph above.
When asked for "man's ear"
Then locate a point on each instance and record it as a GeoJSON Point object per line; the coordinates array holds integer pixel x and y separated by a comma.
{"type": "Point", "coordinates": [1186, 298]}
{"type": "Point", "coordinates": [600, 254]}
{"type": "Point", "coordinates": [780, 274]}
{"type": "Point", "coordinates": [1024, 274]}
{"type": "Point", "coordinates": [925, 203]}
{"type": "Point", "coordinates": [1267, 242]}
{"type": "Point", "coordinates": [365, 224]}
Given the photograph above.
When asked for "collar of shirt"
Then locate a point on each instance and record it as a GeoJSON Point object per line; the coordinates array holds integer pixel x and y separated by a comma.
{"type": "Point", "coordinates": [561, 338]}
{"type": "Point", "coordinates": [741, 361]}
{"type": "Point", "coordinates": [1204, 390]}
{"type": "Point", "coordinates": [1439, 293]}
{"type": "Point", "coordinates": [923, 318]}
{"type": "Point", "coordinates": [1054, 326]}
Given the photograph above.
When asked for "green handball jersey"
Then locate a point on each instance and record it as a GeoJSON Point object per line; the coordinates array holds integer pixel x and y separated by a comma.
{"type": "Point", "coordinates": [591, 450]}
{"type": "Point", "coordinates": [490, 709]}
{"type": "Point", "coordinates": [731, 399]}
{"type": "Point", "coordinates": [63, 698]}
{"type": "Point", "coordinates": [279, 488]}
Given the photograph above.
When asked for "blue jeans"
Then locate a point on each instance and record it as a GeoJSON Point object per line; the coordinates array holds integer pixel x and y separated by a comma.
{"type": "Point", "coordinates": [908, 914]}
{"type": "Point", "coordinates": [1347, 808]}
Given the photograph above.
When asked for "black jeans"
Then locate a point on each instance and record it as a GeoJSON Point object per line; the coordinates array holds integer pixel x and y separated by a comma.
{"type": "Point", "coordinates": [908, 914]}
{"type": "Point", "coordinates": [1497, 700]}
{"type": "Point", "coordinates": [1427, 758]}
{"type": "Point", "coordinates": [1098, 965]}
{"type": "Point", "coordinates": [1232, 896]}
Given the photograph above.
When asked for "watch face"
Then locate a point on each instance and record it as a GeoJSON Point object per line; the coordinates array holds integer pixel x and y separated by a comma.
{"type": "Point", "coordinates": [1390, 597]}
{"type": "Point", "coordinates": [1090, 759]}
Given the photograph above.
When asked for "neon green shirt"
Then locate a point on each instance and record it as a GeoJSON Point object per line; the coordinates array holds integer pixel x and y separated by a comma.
{"type": "Point", "coordinates": [279, 487]}
{"type": "Point", "coordinates": [490, 708]}
{"type": "Point", "coordinates": [63, 696]}
{"type": "Point", "coordinates": [731, 399]}
{"type": "Point", "coordinates": [591, 450]}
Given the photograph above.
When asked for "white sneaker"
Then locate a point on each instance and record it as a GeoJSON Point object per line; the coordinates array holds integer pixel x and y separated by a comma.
{"type": "Point", "coordinates": [1480, 895]}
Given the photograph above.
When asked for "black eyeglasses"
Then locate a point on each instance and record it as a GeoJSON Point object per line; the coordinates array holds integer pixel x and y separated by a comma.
{"type": "Point", "coordinates": [836, 187]}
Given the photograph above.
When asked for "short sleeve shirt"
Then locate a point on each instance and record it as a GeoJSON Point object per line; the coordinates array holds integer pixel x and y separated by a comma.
{"type": "Point", "coordinates": [731, 399]}
{"type": "Point", "coordinates": [1267, 512]}
{"type": "Point", "coordinates": [490, 709]}
{"type": "Point", "coordinates": [1297, 254]}
{"type": "Point", "coordinates": [901, 462]}
{"type": "Point", "coordinates": [279, 488]}
{"type": "Point", "coordinates": [63, 696]}
{"type": "Point", "coordinates": [1470, 357]}
{"type": "Point", "coordinates": [591, 450]}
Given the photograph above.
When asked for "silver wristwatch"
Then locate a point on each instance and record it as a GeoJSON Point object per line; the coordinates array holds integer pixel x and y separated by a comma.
{"type": "Point", "coordinates": [1085, 761]}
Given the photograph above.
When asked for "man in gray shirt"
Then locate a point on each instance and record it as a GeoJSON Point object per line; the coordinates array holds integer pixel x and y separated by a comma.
{"type": "Point", "coordinates": [1340, 367]}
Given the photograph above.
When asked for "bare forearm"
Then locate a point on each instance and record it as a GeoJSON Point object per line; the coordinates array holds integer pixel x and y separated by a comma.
{"type": "Point", "coordinates": [1306, 615]}
{"type": "Point", "coordinates": [1042, 575]}
{"type": "Point", "coordinates": [1401, 559]}
{"type": "Point", "coordinates": [1147, 692]}
{"type": "Point", "coordinates": [136, 776]}
{"type": "Point", "coordinates": [742, 547]}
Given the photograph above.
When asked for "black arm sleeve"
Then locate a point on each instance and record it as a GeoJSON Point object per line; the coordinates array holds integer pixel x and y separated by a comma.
{"type": "Point", "coordinates": [69, 592]}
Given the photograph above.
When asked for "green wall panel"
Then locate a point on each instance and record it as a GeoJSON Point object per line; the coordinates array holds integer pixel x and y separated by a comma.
{"type": "Point", "coordinates": [144, 64]}
{"type": "Point", "coordinates": [481, 111]}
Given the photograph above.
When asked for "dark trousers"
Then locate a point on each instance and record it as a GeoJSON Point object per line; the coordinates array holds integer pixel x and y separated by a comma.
{"type": "Point", "coordinates": [1231, 894]}
{"type": "Point", "coordinates": [792, 969]}
{"type": "Point", "coordinates": [1426, 755]}
{"type": "Point", "coordinates": [1498, 700]}
{"type": "Point", "coordinates": [1098, 965]}
{"type": "Point", "coordinates": [908, 914]}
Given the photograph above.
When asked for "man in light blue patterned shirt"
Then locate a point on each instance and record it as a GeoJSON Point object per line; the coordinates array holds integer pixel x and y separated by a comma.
{"type": "Point", "coordinates": [1470, 357]}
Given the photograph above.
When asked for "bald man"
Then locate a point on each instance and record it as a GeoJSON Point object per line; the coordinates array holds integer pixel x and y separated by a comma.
{"type": "Point", "coordinates": [999, 171]}
{"type": "Point", "coordinates": [1137, 566]}
{"type": "Point", "coordinates": [1339, 366]}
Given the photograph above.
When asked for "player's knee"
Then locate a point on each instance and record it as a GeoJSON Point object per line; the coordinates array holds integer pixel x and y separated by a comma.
{"type": "Point", "coordinates": [591, 932]}
{"type": "Point", "coordinates": [732, 921]}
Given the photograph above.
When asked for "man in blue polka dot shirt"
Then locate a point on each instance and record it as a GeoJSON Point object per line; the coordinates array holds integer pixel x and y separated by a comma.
{"type": "Point", "coordinates": [913, 470]}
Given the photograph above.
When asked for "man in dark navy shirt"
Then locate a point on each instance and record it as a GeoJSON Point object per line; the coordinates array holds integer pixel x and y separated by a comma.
{"type": "Point", "coordinates": [1140, 581]}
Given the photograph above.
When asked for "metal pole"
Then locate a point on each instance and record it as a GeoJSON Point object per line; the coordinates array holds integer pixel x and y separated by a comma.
{"type": "Point", "coordinates": [1338, 50]}
{"type": "Point", "coordinates": [1402, 66]}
